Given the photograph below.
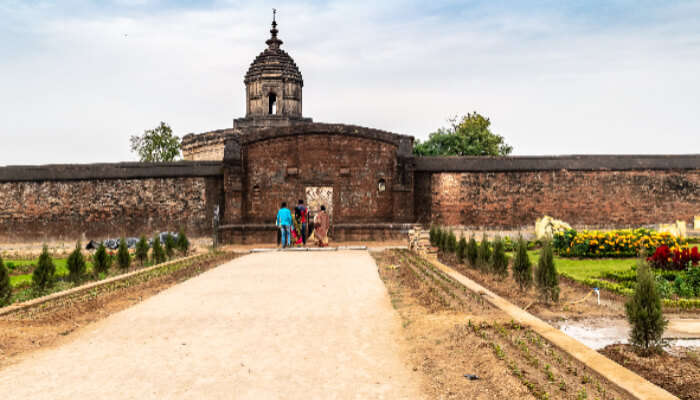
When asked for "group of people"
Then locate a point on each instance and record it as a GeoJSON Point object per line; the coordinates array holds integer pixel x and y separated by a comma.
{"type": "Point", "coordinates": [294, 229]}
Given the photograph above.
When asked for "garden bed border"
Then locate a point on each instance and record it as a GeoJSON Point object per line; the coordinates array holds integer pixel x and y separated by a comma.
{"type": "Point", "coordinates": [619, 376]}
{"type": "Point", "coordinates": [82, 289]}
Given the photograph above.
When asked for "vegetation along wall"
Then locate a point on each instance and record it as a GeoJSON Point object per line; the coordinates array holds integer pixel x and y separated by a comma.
{"type": "Point", "coordinates": [591, 191]}
{"type": "Point", "coordinates": [107, 200]}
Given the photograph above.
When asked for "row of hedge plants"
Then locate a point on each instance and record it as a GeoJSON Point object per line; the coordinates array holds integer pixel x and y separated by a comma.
{"type": "Point", "coordinates": [490, 257]}
{"type": "Point", "coordinates": [609, 244]}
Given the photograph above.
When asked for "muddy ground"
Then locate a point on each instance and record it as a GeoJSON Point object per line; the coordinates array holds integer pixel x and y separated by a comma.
{"type": "Point", "coordinates": [451, 332]}
{"type": "Point", "coordinates": [19, 337]}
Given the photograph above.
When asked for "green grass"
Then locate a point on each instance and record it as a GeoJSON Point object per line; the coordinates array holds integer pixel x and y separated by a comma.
{"type": "Point", "coordinates": [26, 279]}
{"type": "Point", "coordinates": [582, 269]}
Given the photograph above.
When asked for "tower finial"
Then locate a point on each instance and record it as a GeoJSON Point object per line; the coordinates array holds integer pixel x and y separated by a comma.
{"type": "Point", "coordinates": [273, 42]}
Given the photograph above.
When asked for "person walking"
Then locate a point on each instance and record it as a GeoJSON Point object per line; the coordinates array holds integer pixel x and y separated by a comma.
{"type": "Point", "coordinates": [284, 222]}
{"type": "Point", "coordinates": [321, 226]}
{"type": "Point", "coordinates": [302, 215]}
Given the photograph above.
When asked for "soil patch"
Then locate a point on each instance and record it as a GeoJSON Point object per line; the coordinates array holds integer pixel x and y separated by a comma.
{"type": "Point", "coordinates": [451, 332]}
{"type": "Point", "coordinates": [679, 375]}
{"type": "Point", "coordinates": [19, 337]}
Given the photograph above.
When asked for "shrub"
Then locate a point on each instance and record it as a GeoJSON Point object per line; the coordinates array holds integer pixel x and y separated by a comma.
{"type": "Point", "coordinates": [522, 266]}
{"type": "Point", "coordinates": [170, 246]}
{"type": "Point", "coordinates": [123, 258]}
{"type": "Point", "coordinates": [158, 255]}
{"type": "Point", "coordinates": [461, 249]}
{"type": "Point", "coordinates": [683, 287]}
{"type": "Point", "coordinates": [644, 311]}
{"type": "Point", "coordinates": [472, 251]}
{"type": "Point", "coordinates": [76, 265]}
{"type": "Point", "coordinates": [546, 275]}
{"type": "Point", "coordinates": [142, 250]}
{"type": "Point", "coordinates": [182, 243]}
{"type": "Point", "coordinates": [45, 271]}
{"type": "Point", "coordinates": [101, 260]}
{"type": "Point", "coordinates": [5, 288]}
{"type": "Point", "coordinates": [484, 253]}
{"type": "Point", "coordinates": [442, 239]}
{"type": "Point", "coordinates": [433, 235]}
{"type": "Point", "coordinates": [500, 260]}
{"type": "Point", "coordinates": [451, 242]}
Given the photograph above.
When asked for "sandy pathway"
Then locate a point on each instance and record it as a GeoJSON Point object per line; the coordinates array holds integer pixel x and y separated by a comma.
{"type": "Point", "coordinates": [265, 326]}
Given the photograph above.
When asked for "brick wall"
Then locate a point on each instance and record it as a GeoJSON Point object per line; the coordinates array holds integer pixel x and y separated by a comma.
{"type": "Point", "coordinates": [279, 169]}
{"type": "Point", "coordinates": [512, 199]}
{"type": "Point", "coordinates": [96, 208]}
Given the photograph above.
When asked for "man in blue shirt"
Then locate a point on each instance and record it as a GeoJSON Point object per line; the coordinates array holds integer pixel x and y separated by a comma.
{"type": "Point", "coordinates": [284, 222]}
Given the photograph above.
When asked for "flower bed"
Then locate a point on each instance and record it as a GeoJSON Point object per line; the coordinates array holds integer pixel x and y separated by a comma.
{"type": "Point", "coordinates": [620, 243]}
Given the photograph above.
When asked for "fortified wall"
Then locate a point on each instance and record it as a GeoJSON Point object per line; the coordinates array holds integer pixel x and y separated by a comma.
{"type": "Point", "coordinates": [373, 186]}
{"type": "Point", "coordinates": [606, 191]}
{"type": "Point", "coordinates": [71, 202]}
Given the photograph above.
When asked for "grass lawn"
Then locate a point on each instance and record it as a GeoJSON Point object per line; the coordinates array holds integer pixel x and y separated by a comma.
{"type": "Point", "coordinates": [581, 269]}
{"type": "Point", "coordinates": [26, 279]}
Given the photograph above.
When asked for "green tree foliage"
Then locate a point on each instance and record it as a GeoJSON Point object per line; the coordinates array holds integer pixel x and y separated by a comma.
{"type": "Point", "coordinates": [500, 259]}
{"type": "Point", "coordinates": [101, 260]}
{"type": "Point", "coordinates": [77, 267]}
{"type": "Point", "coordinates": [5, 288]}
{"type": "Point", "coordinates": [546, 276]}
{"type": "Point", "coordinates": [433, 235]}
{"type": "Point", "coordinates": [451, 242]}
{"type": "Point", "coordinates": [45, 271]}
{"type": "Point", "coordinates": [468, 136]}
{"type": "Point", "coordinates": [472, 251]}
{"type": "Point", "coordinates": [182, 243]}
{"type": "Point", "coordinates": [156, 145]}
{"type": "Point", "coordinates": [522, 266]}
{"type": "Point", "coordinates": [170, 246]}
{"type": "Point", "coordinates": [141, 252]}
{"type": "Point", "coordinates": [123, 257]}
{"type": "Point", "coordinates": [158, 255]}
{"type": "Point", "coordinates": [644, 311]}
{"type": "Point", "coordinates": [484, 254]}
{"type": "Point", "coordinates": [461, 249]}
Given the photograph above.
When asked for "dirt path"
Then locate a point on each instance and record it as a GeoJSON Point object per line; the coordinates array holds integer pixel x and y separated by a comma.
{"type": "Point", "coordinates": [271, 325]}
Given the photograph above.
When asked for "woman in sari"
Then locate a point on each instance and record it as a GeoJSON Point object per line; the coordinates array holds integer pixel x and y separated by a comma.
{"type": "Point", "coordinates": [296, 232]}
{"type": "Point", "coordinates": [321, 225]}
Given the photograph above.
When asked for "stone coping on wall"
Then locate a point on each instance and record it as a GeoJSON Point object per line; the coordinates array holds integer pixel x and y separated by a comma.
{"type": "Point", "coordinates": [403, 142]}
{"type": "Point", "coordinates": [553, 163]}
{"type": "Point", "coordinates": [124, 170]}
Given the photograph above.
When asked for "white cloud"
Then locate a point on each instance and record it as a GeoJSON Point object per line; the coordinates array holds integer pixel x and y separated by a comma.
{"type": "Point", "coordinates": [74, 88]}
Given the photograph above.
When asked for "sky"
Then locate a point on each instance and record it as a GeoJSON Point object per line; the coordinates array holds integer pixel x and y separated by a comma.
{"type": "Point", "coordinates": [79, 77]}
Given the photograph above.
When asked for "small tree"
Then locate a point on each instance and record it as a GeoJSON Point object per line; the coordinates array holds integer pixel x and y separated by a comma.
{"type": "Point", "coordinates": [170, 246]}
{"type": "Point", "coordinates": [500, 260]}
{"type": "Point", "coordinates": [546, 275]}
{"type": "Point", "coordinates": [5, 288]}
{"type": "Point", "coordinates": [644, 311]}
{"type": "Point", "coordinates": [156, 145]}
{"type": "Point", "coordinates": [182, 243]}
{"type": "Point", "coordinates": [76, 265]}
{"type": "Point", "coordinates": [101, 260]}
{"type": "Point", "coordinates": [451, 242]}
{"type": "Point", "coordinates": [461, 249]}
{"type": "Point", "coordinates": [123, 257]}
{"type": "Point", "coordinates": [142, 250]}
{"type": "Point", "coordinates": [45, 271]}
{"type": "Point", "coordinates": [158, 255]}
{"type": "Point", "coordinates": [522, 266]}
{"type": "Point", "coordinates": [472, 251]}
{"type": "Point", "coordinates": [484, 254]}
{"type": "Point", "coordinates": [433, 235]}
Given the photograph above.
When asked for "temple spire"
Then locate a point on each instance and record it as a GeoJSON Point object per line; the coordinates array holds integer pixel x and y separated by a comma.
{"type": "Point", "coordinates": [273, 42]}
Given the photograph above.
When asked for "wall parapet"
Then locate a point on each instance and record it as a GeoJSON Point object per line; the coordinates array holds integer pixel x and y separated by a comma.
{"type": "Point", "coordinates": [124, 170]}
{"type": "Point", "coordinates": [555, 163]}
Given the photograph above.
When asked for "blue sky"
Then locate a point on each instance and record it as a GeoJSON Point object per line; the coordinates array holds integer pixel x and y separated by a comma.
{"type": "Point", "coordinates": [79, 77]}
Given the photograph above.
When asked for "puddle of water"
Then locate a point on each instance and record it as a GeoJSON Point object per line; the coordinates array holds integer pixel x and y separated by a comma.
{"type": "Point", "coordinates": [599, 333]}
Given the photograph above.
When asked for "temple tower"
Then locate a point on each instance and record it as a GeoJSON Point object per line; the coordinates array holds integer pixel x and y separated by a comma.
{"type": "Point", "coordinates": [273, 88]}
